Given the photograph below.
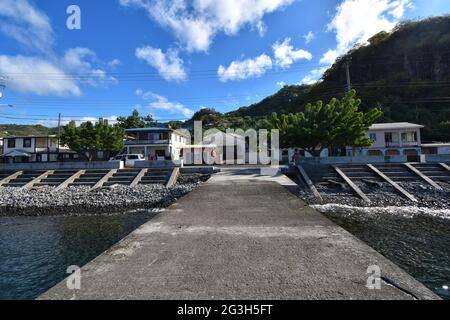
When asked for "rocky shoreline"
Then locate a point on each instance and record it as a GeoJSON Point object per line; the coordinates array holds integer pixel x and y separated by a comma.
{"type": "Point", "coordinates": [384, 196]}
{"type": "Point", "coordinates": [82, 201]}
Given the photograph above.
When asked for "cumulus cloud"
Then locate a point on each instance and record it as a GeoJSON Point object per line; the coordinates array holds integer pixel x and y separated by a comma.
{"type": "Point", "coordinates": [285, 54]}
{"type": "Point", "coordinates": [53, 80]}
{"type": "Point", "coordinates": [356, 21]}
{"type": "Point", "coordinates": [313, 76]}
{"type": "Point", "coordinates": [158, 102]}
{"type": "Point", "coordinates": [46, 72]}
{"type": "Point", "coordinates": [168, 65]}
{"type": "Point", "coordinates": [329, 57]}
{"type": "Point", "coordinates": [78, 121]}
{"type": "Point", "coordinates": [26, 24]}
{"type": "Point", "coordinates": [243, 69]}
{"type": "Point", "coordinates": [196, 23]}
{"type": "Point", "coordinates": [310, 36]}
{"type": "Point", "coordinates": [79, 61]}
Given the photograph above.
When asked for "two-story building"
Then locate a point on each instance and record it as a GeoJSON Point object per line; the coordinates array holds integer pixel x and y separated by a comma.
{"type": "Point", "coordinates": [392, 139]}
{"type": "Point", "coordinates": [156, 143]}
{"type": "Point", "coordinates": [35, 149]}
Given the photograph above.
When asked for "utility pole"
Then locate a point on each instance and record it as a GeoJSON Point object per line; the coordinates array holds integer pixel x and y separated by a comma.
{"type": "Point", "coordinates": [59, 132]}
{"type": "Point", "coordinates": [347, 71]}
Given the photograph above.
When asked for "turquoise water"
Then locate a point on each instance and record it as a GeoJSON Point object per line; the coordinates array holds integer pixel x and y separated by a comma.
{"type": "Point", "coordinates": [36, 251]}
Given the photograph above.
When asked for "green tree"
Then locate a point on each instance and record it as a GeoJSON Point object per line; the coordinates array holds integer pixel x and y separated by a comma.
{"type": "Point", "coordinates": [135, 120]}
{"type": "Point", "coordinates": [175, 125]}
{"type": "Point", "coordinates": [335, 125]}
{"type": "Point", "coordinates": [88, 138]}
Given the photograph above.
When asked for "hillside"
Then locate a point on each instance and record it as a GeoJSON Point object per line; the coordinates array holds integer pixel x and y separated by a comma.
{"type": "Point", "coordinates": [24, 130]}
{"type": "Point", "coordinates": [405, 72]}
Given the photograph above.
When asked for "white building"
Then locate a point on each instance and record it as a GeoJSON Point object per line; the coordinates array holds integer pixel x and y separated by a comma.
{"type": "Point", "coordinates": [436, 148]}
{"type": "Point", "coordinates": [392, 139]}
{"type": "Point", "coordinates": [35, 149]}
{"type": "Point", "coordinates": [156, 143]}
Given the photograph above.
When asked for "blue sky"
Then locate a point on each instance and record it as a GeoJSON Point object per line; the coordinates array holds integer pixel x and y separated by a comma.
{"type": "Point", "coordinates": [171, 58]}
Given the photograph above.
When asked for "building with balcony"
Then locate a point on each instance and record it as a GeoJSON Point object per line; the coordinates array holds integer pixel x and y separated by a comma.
{"type": "Point", "coordinates": [36, 149]}
{"type": "Point", "coordinates": [156, 143]}
{"type": "Point", "coordinates": [392, 139]}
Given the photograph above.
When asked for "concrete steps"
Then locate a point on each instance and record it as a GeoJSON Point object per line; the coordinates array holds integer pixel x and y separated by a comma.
{"type": "Point", "coordinates": [24, 178]}
{"type": "Point", "coordinates": [90, 178]}
{"type": "Point", "coordinates": [156, 176]}
{"type": "Point", "coordinates": [122, 177]}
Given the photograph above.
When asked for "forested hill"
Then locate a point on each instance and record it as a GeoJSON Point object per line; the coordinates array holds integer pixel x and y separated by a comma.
{"type": "Point", "coordinates": [24, 130]}
{"type": "Point", "coordinates": [405, 72]}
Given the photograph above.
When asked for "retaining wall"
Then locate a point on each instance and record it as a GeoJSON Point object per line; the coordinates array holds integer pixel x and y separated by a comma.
{"type": "Point", "coordinates": [61, 165]}
{"type": "Point", "coordinates": [159, 164]}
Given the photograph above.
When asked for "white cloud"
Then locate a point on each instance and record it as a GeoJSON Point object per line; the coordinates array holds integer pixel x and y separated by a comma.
{"type": "Point", "coordinates": [329, 57]}
{"type": "Point", "coordinates": [158, 102]}
{"type": "Point", "coordinates": [196, 23]}
{"type": "Point", "coordinates": [281, 84]}
{"type": "Point", "coordinates": [310, 36]}
{"type": "Point", "coordinates": [45, 73]}
{"type": "Point", "coordinates": [114, 63]}
{"type": "Point", "coordinates": [243, 69]}
{"type": "Point", "coordinates": [26, 24]}
{"type": "Point", "coordinates": [78, 121]}
{"type": "Point", "coordinates": [52, 80]}
{"type": "Point", "coordinates": [79, 61]}
{"type": "Point", "coordinates": [313, 76]}
{"type": "Point", "coordinates": [358, 20]}
{"type": "Point", "coordinates": [168, 64]}
{"type": "Point", "coordinates": [285, 54]}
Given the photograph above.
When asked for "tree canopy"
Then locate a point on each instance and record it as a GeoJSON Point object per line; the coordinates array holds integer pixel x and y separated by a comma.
{"type": "Point", "coordinates": [136, 120]}
{"type": "Point", "coordinates": [88, 138]}
{"type": "Point", "coordinates": [332, 126]}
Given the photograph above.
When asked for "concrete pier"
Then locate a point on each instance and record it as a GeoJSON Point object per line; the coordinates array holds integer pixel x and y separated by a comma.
{"type": "Point", "coordinates": [242, 235]}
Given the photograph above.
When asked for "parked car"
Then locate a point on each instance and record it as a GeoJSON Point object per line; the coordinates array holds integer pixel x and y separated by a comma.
{"type": "Point", "coordinates": [129, 159]}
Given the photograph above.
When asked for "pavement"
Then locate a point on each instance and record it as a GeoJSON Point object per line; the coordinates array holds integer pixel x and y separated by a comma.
{"type": "Point", "coordinates": [241, 235]}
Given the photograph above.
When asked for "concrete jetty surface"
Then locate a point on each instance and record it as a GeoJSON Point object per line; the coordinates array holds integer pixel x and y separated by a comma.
{"type": "Point", "coordinates": [240, 236]}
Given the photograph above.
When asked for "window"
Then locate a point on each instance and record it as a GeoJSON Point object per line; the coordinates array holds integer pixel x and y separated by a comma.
{"type": "Point", "coordinates": [160, 153]}
{"type": "Point", "coordinates": [11, 143]}
{"type": "Point", "coordinates": [27, 143]}
{"type": "Point", "coordinates": [373, 137]}
{"type": "Point", "coordinates": [388, 137]}
{"type": "Point", "coordinates": [133, 157]}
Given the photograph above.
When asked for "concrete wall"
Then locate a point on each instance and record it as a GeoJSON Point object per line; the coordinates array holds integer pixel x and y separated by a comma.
{"type": "Point", "coordinates": [61, 165]}
{"type": "Point", "coordinates": [355, 160]}
{"type": "Point", "coordinates": [158, 164]}
{"type": "Point", "coordinates": [437, 158]}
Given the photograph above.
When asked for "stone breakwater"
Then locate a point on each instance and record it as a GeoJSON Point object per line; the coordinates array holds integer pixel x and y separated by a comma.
{"type": "Point", "coordinates": [82, 200]}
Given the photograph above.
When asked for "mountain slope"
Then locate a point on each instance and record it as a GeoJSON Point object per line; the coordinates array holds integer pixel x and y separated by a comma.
{"type": "Point", "coordinates": [405, 72]}
{"type": "Point", "coordinates": [24, 130]}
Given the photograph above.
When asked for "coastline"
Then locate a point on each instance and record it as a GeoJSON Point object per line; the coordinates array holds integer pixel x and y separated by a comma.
{"type": "Point", "coordinates": [75, 201]}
